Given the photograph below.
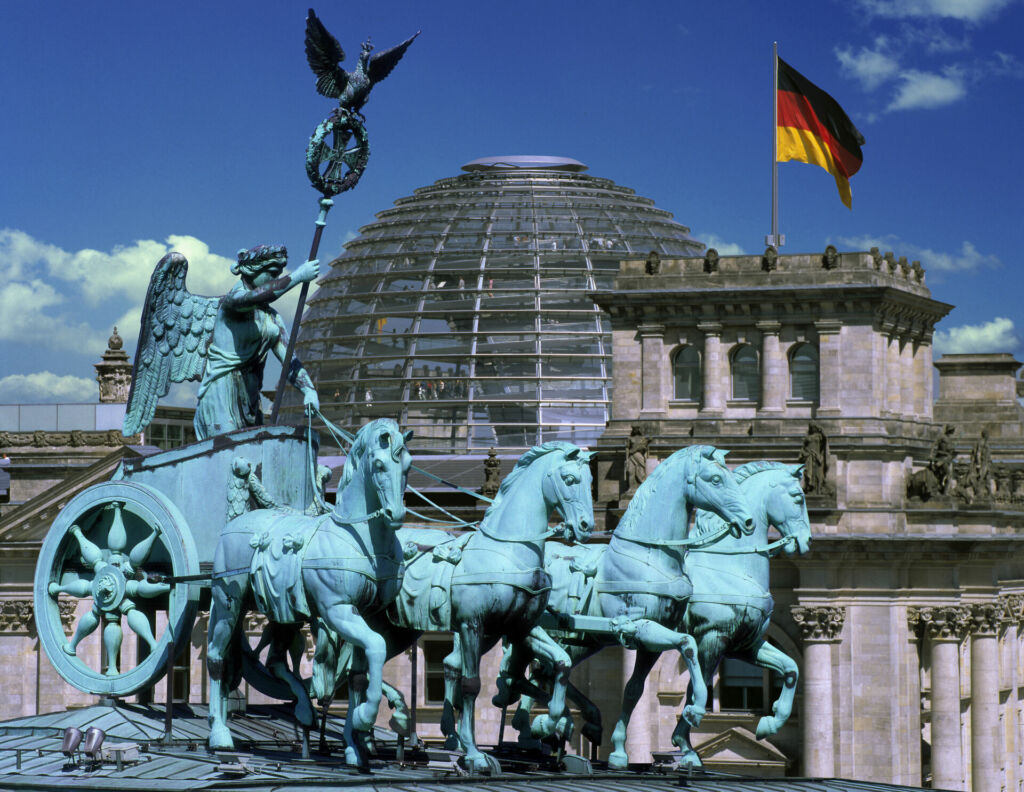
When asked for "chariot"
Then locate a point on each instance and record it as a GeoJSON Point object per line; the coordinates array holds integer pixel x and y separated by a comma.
{"type": "Point", "coordinates": [140, 549]}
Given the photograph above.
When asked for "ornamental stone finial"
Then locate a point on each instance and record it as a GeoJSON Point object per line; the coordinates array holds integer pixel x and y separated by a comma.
{"type": "Point", "coordinates": [822, 623]}
{"type": "Point", "coordinates": [944, 623]}
{"type": "Point", "coordinates": [114, 372]}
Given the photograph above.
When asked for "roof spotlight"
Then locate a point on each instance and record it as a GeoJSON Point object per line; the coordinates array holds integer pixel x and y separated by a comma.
{"type": "Point", "coordinates": [93, 740]}
{"type": "Point", "coordinates": [72, 739]}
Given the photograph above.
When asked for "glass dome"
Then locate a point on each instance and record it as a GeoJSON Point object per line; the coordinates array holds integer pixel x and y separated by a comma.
{"type": "Point", "coordinates": [463, 311]}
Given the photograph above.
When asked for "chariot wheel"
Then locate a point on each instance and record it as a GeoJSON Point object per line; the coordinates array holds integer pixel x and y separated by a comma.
{"type": "Point", "coordinates": [102, 564]}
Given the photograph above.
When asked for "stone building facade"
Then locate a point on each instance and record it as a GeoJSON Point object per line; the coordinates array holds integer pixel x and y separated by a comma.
{"type": "Point", "coordinates": [905, 615]}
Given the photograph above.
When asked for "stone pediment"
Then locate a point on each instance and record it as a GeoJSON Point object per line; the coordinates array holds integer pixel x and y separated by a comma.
{"type": "Point", "coordinates": [30, 521]}
{"type": "Point", "coordinates": [739, 751]}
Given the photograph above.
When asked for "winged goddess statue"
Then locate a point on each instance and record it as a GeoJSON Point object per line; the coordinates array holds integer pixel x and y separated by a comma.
{"type": "Point", "coordinates": [351, 89]}
{"type": "Point", "coordinates": [224, 341]}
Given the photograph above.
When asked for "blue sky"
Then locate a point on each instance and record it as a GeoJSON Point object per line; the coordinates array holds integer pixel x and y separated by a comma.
{"type": "Point", "coordinates": [131, 128]}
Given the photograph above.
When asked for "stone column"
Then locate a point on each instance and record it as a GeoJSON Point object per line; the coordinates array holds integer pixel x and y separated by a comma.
{"type": "Point", "coordinates": [773, 369]}
{"type": "Point", "coordinates": [652, 364]}
{"type": "Point", "coordinates": [1013, 610]}
{"type": "Point", "coordinates": [907, 378]}
{"type": "Point", "coordinates": [923, 382]}
{"type": "Point", "coordinates": [891, 407]}
{"type": "Point", "coordinates": [945, 627]}
{"type": "Point", "coordinates": [820, 628]}
{"type": "Point", "coordinates": [714, 375]}
{"type": "Point", "coordinates": [986, 738]}
{"type": "Point", "coordinates": [830, 372]}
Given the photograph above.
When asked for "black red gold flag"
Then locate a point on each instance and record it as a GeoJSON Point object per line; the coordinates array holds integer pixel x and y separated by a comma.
{"type": "Point", "coordinates": [813, 128]}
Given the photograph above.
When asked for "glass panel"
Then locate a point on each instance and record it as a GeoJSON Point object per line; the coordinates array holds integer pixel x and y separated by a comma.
{"type": "Point", "coordinates": [803, 373]}
{"type": "Point", "coordinates": [746, 375]}
{"type": "Point", "coordinates": [686, 373]}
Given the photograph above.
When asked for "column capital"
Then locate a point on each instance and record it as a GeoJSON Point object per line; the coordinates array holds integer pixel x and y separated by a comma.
{"type": "Point", "coordinates": [650, 330]}
{"type": "Point", "coordinates": [987, 618]}
{"type": "Point", "coordinates": [819, 624]}
{"type": "Point", "coordinates": [828, 326]}
{"type": "Point", "coordinates": [944, 623]}
{"type": "Point", "coordinates": [1013, 608]}
{"type": "Point", "coordinates": [769, 326]}
{"type": "Point", "coordinates": [710, 328]}
{"type": "Point", "coordinates": [18, 616]}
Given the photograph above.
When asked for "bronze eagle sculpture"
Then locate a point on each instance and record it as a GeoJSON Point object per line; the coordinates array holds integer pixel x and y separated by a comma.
{"type": "Point", "coordinates": [351, 89]}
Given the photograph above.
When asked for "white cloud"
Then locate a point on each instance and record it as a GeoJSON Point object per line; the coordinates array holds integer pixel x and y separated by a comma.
{"type": "Point", "coordinates": [966, 259]}
{"type": "Point", "coordinates": [964, 10]}
{"type": "Point", "coordinates": [724, 248]}
{"type": "Point", "coordinates": [51, 290]}
{"type": "Point", "coordinates": [871, 67]}
{"type": "Point", "coordinates": [926, 90]}
{"type": "Point", "coordinates": [995, 336]}
{"type": "Point", "coordinates": [46, 387]}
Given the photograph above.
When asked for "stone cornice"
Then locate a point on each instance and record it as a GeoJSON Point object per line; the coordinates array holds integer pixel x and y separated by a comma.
{"type": "Point", "coordinates": [18, 616]}
{"type": "Point", "coordinates": [73, 439]}
{"type": "Point", "coordinates": [821, 623]}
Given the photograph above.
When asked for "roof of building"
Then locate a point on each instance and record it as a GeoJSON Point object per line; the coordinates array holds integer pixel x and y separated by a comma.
{"type": "Point", "coordinates": [30, 758]}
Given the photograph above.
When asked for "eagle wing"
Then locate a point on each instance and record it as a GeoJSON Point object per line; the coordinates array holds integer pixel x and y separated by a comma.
{"type": "Point", "coordinates": [174, 335]}
{"type": "Point", "coordinates": [382, 63]}
{"type": "Point", "coordinates": [324, 53]}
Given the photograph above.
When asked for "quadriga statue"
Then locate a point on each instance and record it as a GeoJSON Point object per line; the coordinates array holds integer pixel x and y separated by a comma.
{"type": "Point", "coordinates": [224, 341]}
{"type": "Point", "coordinates": [637, 585]}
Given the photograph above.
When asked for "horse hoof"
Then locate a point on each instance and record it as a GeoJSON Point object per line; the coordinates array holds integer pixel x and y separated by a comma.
{"type": "Point", "coordinates": [352, 758]}
{"type": "Point", "coordinates": [618, 760]}
{"type": "Point", "coordinates": [220, 738]}
{"type": "Point", "coordinates": [766, 727]}
{"type": "Point", "coordinates": [479, 763]}
{"type": "Point", "coordinates": [399, 724]}
{"type": "Point", "coordinates": [689, 758]}
{"type": "Point", "coordinates": [693, 715]}
{"type": "Point", "coordinates": [363, 717]}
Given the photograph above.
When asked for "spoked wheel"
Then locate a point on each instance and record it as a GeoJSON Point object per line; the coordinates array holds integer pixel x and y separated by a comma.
{"type": "Point", "coordinates": [104, 549]}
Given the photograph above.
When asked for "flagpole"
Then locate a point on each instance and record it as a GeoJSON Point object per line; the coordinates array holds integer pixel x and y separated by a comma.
{"type": "Point", "coordinates": [774, 238]}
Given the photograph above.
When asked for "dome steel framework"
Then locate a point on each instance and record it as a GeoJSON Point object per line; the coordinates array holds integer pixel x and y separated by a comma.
{"type": "Point", "coordinates": [464, 311]}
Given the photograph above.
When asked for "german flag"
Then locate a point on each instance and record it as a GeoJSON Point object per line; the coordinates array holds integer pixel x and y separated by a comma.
{"type": "Point", "coordinates": [813, 128]}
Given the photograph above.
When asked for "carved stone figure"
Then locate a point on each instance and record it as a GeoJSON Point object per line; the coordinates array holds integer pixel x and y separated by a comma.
{"type": "Point", "coordinates": [324, 55]}
{"type": "Point", "coordinates": [770, 259]}
{"type": "Point", "coordinates": [942, 456]}
{"type": "Point", "coordinates": [814, 455]}
{"type": "Point", "coordinates": [653, 264]}
{"type": "Point", "coordinates": [830, 260]}
{"type": "Point", "coordinates": [711, 260]}
{"type": "Point", "coordinates": [980, 474]}
{"type": "Point", "coordinates": [876, 258]}
{"type": "Point", "coordinates": [637, 449]}
{"type": "Point", "coordinates": [225, 341]}
{"type": "Point", "coordinates": [492, 475]}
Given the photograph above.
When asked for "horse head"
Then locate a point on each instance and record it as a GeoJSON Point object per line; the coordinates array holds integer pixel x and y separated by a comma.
{"type": "Point", "coordinates": [380, 456]}
{"type": "Point", "coordinates": [786, 509]}
{"type": "Point", "coordinates": [710, 485]}
{"type": "Point", "coordinates": [567, 486]}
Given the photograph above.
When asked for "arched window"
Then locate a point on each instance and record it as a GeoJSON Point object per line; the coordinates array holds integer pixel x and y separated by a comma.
{"type": "Point", "coordinates": [746, 374]}
{"type": "Point", "coordinates": [686, 374]}
{"type": "Point", "coordinates": [803, 373]}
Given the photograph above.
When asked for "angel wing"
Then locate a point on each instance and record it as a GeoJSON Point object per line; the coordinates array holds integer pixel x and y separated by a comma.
{"type": "Point", "coordinates": [382, 63]}
{"type": "Point", "coordinates": [324, 53]}
{"type": "Point", "coordinates": [173, 337]}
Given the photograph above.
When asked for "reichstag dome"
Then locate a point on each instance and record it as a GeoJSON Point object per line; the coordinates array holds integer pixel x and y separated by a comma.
{"type": "Point", "coordinates": [463, 311]}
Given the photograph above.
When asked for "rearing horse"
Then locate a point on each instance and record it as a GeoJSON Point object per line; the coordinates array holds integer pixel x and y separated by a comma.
{"type": "Point", "coordinates": [638, 578]}
{"type": "Point", "coordinates": [337, 569]}
{"type": "Point", "coordinates": [731, 604]}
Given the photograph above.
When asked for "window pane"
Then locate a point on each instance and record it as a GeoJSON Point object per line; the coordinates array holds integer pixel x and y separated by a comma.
{"type": "Point", "coordinates": [686, 370]}
{"type": "Point", "coordinates": [746, 377]}
{"type": "Point", "coordinates": [803, 373]}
